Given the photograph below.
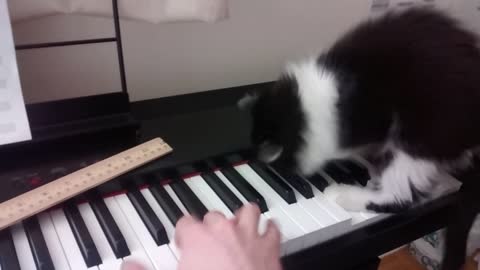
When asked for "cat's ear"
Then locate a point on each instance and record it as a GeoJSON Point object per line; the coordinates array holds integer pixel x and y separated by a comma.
{"type": "Point", "coordinates": [247, 101]}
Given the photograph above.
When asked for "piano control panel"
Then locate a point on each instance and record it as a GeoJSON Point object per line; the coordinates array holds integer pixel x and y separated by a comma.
{"type": "Point", "coordinates": [67, 186]}
{"type": "Point", "coordinates": [24, 181]}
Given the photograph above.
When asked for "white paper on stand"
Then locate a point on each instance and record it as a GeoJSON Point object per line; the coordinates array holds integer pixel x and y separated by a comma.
{"type": "Point", "coordinates": [14, 125]}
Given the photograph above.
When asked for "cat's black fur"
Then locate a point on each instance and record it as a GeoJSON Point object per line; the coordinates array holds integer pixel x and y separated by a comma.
{"type": "Point", "coordinates": [411, 78]}
{"type": "Point", "coordinates": [420, 65]}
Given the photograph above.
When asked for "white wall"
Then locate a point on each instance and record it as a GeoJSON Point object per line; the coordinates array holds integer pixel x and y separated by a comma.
{"type": "Point", "coordinates": [170, 59]}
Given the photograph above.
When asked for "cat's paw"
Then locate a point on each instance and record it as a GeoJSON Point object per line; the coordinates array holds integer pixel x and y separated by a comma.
{"type": "Point", "coordinates": [331, 192]}
{"type": "Point", "coordinates": [350, 198]}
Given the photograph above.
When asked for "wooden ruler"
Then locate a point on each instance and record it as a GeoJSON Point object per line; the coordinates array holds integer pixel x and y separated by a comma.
{"type": "Point", "coordinates": [68, 186]}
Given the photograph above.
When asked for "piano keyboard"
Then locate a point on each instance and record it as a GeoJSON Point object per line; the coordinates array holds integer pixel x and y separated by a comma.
{"type": "Point", "coordinates": [138, 223]}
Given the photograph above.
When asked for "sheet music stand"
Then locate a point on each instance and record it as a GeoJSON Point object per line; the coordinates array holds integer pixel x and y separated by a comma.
{"type": "Point", "coordinates": [79, 120]}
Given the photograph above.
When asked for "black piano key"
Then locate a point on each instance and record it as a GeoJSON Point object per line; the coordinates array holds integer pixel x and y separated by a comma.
{"type": "Point", "coordinates": [171, 209]}
{"type": "Point", "coordinates": [295, 180]}
{"type": "Point", "coordinates": [82, 235]}
{"type": "Point", "coordinates": [361, 173]}
{"type": "Point", "coordinates": [8, 255]}
{"type": "Point", "coordinates": [191, 202]}
{"type": "Point", "coordinates": [148, 216]}
{"type": "Point", "coordinates": [318, 181]}
{"type": "Point", "coordinates": [40, 252]}
{"type": "Point", "coordinates": [338, 173]}
{"type": "Point", "coordinates": [110, 228]}
{"type": "Point", "coordinates": [245, 188]}
{"type": "Point", "coordinates": [284, 190]}
{"type": "Point", "coordinates": [223, 192]}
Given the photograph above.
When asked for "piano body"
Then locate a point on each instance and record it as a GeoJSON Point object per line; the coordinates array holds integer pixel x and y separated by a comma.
{"type": "Point", "coordinates": [210, 167]}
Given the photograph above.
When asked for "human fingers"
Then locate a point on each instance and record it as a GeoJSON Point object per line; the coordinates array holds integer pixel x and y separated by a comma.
{"type": "Point", "coordinates": [219, 225]}
{"type": "Point", "coordinates": [248, 217]}
{"type": "Point", "coordinates": [213, 217]}
{"type": "Point", "coordinates": [272, 234]}
{"type": "Point", "coordinates": [131, 265]}
{"type": "Point", "coordinates": [185, 226]}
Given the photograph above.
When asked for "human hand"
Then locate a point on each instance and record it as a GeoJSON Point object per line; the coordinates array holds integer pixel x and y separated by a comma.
{"type": "Point", "coordinates": [225, 244]}
{"type": "Point", "coordinates": [131, 265]}
{"type": "Point", "coordinates": [228, 244]}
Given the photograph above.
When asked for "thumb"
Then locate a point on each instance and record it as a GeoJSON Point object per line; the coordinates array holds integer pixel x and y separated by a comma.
{"type": "Point", "coordinates": [131, 265]}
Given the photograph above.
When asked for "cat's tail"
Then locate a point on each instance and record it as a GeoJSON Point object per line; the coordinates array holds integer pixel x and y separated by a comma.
{"type": "Point", "coordinates": [461, 218]}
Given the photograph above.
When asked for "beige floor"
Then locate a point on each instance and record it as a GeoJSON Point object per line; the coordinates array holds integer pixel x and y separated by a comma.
{"type": "Point", "coordinates": [403, 260]}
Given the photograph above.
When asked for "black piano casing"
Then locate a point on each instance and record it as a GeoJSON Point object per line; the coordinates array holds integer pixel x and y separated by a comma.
{"type": "Point", "coordinates": [203, 126]}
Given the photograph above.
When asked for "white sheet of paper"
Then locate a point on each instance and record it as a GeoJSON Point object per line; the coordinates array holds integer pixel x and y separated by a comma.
{"type": "Point", "coordinates": [14, 125]}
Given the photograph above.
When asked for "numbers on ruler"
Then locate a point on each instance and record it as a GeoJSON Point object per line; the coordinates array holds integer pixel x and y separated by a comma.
{"type": "Point", "coordinates": [86, 177]}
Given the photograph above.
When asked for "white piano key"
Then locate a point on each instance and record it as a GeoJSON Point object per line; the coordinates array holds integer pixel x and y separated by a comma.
{"type": "Point", "coordinates": [361, 218]}
{"type": "Point", "coordinates": [317, 213]}
{"type": "Point", "coordinates": [67, 239]}
{"type": "Point", "coordinates": [295, 225]}
{"type": "Point", "coordinates": [357, 217]}
{"type": "Point", "coordinates": [368, 215]}
{"type": "Point", "coordinates": [338, 212]}
{"type": "Point", "coordinates": [175, 198]}
{"type": "Point", "coordinates": [311, 207]}
{"type": "Point", "coordinates": [59, 258]}
{"type": "Point", "coordinates": [22, 247]}
{"type": "Point", "coordinates": [264, 216]}
{"type": "Point", "coordinates": [213, 202]}
{"type": "Point", "coordinates": [162, 216]}
{"type": "Point", "coordinates": [326, 221]}
{"type": "Point", "coordinates": [364, 216]}
{"type": "Point", "coordinates": [161, 256]}
{"type": "Point", "coordinates": [346, 218]}
{"type": "Point", "coordinates": [231, 187]}
{"type": "Point", "coordinates": [109, 260]}
{"type": "Point", "coordinates": [342, 217]}
{"type": "Point", "coordinates": [208, 197]}
{"type": "Point", "coordinates": [137, 252]}
{"type": "Point", "coordinates": [294, 210]}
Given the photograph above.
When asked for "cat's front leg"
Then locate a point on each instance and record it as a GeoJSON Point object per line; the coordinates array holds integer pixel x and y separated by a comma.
{"type": "Point", "coordinates": [404, 181]}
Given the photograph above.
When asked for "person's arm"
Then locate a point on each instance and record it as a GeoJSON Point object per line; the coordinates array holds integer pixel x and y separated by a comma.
{"type": "Point", "coordinates": [219, 243]}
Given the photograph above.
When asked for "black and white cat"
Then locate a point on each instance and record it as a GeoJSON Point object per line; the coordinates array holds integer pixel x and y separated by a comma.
{"type": "Point", "coordinates": [403, 90]}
